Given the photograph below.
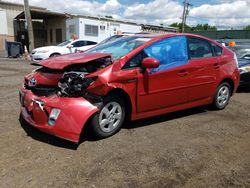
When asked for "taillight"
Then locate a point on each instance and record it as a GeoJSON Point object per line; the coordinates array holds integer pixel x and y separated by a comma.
{"type": "Point", "coordinates": [236, 60]}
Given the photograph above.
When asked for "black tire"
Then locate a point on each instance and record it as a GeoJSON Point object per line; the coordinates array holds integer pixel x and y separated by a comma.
{"type": "Point", "coordinates": [218, 102]}
{"type": "Point", "coordinates": [54, 55]}
{"type": "Point", "coordinates": [113, 126]}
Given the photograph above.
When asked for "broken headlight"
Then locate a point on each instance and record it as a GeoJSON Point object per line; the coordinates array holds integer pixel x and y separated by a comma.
{"type": "Point", "coordinates": [53, 116]}
{"type": "Point", "coordinates": [73, 84]}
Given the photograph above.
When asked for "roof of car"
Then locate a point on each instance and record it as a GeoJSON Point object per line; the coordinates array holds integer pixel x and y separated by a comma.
{"type": "Point", "coordinates": [164, 35]}
{"type": "Point", "coordinates": [75, 40]}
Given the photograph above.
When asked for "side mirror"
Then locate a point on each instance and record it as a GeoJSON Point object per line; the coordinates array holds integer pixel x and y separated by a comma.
{"type": "Point", "coordinates": [70, 46]}
{"type": "Point", "coordinates": [149, 63]}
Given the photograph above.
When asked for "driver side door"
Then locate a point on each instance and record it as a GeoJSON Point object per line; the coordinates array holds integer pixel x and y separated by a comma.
{"type": "Point", "coordinates": [167, 85]}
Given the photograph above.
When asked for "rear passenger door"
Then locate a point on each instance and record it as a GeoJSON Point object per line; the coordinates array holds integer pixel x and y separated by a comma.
{"type": "Point", "coordinates": [204, 69]}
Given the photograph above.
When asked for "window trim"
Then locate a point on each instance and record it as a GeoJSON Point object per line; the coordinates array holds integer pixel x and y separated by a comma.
{"type": "Point", "coordinates": [129, 68]}
{"type": "Point", "coordinates": [214, 53]}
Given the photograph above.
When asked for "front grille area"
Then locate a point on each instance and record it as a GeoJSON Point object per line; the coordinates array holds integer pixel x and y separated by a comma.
{"type": "Point", "coordinates": [44, 90]}
{"type": "Point", "coordinates": [41, 90]}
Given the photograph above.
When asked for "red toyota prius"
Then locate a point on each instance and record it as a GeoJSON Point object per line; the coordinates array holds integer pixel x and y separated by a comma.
{"type": "Point", "coordinates": [133, 77]}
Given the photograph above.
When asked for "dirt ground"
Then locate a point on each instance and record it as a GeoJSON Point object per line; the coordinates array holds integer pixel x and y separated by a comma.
{"type": "Point", "coordinates": [191, 148]}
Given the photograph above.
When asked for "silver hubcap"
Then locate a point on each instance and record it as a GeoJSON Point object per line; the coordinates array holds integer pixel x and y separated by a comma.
{"type": "Point", "coordinates": [110, 116]}
{"type": "Point", "coordinates": [223, 96]}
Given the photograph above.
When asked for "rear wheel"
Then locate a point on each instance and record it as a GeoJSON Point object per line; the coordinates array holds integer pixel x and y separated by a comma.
{"type": "Point", "coordinates": [110, 118]}
{"type": "Point", "coordinates": [222, 96]}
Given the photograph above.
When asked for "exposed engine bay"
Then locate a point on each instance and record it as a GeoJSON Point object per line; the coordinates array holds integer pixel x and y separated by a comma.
{"type": "Point", "coordinates": [72, 81]}
{"type": "Point", "coordinates": [73, 84]}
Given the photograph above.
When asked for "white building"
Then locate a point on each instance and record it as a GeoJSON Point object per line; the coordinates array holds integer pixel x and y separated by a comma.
{"type": "Point", "coordinates": [51, 28]}
{"type": "Point", "coordinates": [12, 27]}
{"type": "Point", "coordinates": [97, 28]}
{"type": "Point", "coordinates": [3, 28]}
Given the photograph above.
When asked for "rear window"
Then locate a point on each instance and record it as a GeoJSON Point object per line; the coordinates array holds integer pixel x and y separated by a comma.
{"type": "Point", "coordinates": [217, 49]}
{"type": "Point", "coordinates": [199, 48]}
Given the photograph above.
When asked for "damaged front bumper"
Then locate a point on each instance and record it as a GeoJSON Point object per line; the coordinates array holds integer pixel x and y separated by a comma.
{"type": "Point", "coordinates": [60, 116]}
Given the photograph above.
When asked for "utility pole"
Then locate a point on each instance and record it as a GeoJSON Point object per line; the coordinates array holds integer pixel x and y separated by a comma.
{"type": "Point", "coordinates": [186, 10]}
{"type": "Point", "coordinates": [29, 25]}
{"type": "Point", "coordinates": [183, 16]}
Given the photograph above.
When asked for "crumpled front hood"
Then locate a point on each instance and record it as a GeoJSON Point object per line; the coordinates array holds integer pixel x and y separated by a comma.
{"type": "Point", "coordinates": [60, 62]}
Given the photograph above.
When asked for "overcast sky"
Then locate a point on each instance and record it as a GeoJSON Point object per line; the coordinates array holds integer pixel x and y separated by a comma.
{"type": "Point", "coordinates": [229, 13]}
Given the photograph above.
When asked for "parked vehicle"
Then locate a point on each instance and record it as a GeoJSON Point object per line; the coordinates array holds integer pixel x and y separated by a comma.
{"type": "Point", "coordinates": [243, 54]}
{"type": "Point", "coordinates": [244, 67]}
{"type": "Point", "coordinates": [109, 39]}
{"type": "Point", "coordinates": [242, 51]}
{"type": "Point", "coordinates": [68, 46]}
{"type": "Point", "coordinates": [130, 78]}
{"type": "Point", "coordinates": [114, 37]}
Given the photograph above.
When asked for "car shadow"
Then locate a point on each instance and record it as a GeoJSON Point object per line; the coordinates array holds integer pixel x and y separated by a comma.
{"type": "Point", "coordinates": [87, 134]}
{"type": "Point", "coordinates": [243, 90]}
{"type": "Point", "coordinates": [166, 117]}
{"type": "Point", "coordinates": [36, 134]}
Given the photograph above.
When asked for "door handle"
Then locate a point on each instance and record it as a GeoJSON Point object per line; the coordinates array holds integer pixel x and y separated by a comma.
{"type": "Point", "coordinates": [216, 65]}
{"type": "Point", "coordinates": [183, 73]}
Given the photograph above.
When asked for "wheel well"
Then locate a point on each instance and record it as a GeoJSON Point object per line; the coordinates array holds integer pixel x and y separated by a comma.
{"type": "Point", "coordinates": [56, 53]}
{"type": "Point", "coordinates": [126, 98]}
{"type": "Point", "coordinates": [230, 82]}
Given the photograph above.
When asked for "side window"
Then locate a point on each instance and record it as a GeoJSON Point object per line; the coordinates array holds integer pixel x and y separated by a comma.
{"type": "Point", "coordinates": [78, 44]}
{"type": "Point", "coordinates": [171, 52]}
{"type": "Point", "coordinates": [135, 61]}
{"type": "Point", "coordinates": [217, 49]}
{"type": "Point", "coordinates": [90, 43]}
{"type": "Point", "coordinates": [199, 48]}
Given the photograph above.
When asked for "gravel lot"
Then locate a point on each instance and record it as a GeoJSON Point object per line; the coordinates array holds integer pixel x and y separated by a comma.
{"type": "Point", "coordinates": [192, 148]}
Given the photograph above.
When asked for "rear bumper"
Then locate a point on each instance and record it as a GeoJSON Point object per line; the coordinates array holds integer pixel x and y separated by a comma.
{"type": "Point", "coordinates": [74, 113]}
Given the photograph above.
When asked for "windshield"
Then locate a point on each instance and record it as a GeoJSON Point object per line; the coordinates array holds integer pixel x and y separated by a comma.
{"type": "Point", "coordinates": [112, 38]}
{"type": "Point", "coordinates": [64, 43]}
{"type": "Point", "coordinates": [120, 47]}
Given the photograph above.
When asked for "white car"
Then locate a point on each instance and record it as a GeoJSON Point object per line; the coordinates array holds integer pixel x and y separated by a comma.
{"type": "Point", "coordinates": [68, 46]}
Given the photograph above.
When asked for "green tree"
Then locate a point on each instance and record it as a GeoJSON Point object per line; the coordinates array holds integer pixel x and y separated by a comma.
{"type": "Point", "coordinates": [204, 27]}
{"type": "Point", "coordinates": [187, 28]}
{"type": "Point", "coordinates": [247, 27]}
{"type": "Point", "coordinates": [198, 27]}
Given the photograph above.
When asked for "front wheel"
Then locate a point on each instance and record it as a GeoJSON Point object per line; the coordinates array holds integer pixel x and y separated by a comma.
{"type": "Point", "coordinates": [110, 118]}
{"type": "Point", "coordinates": [54, 55]}
{"type": "Point", "coordinates": [222, 96]}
